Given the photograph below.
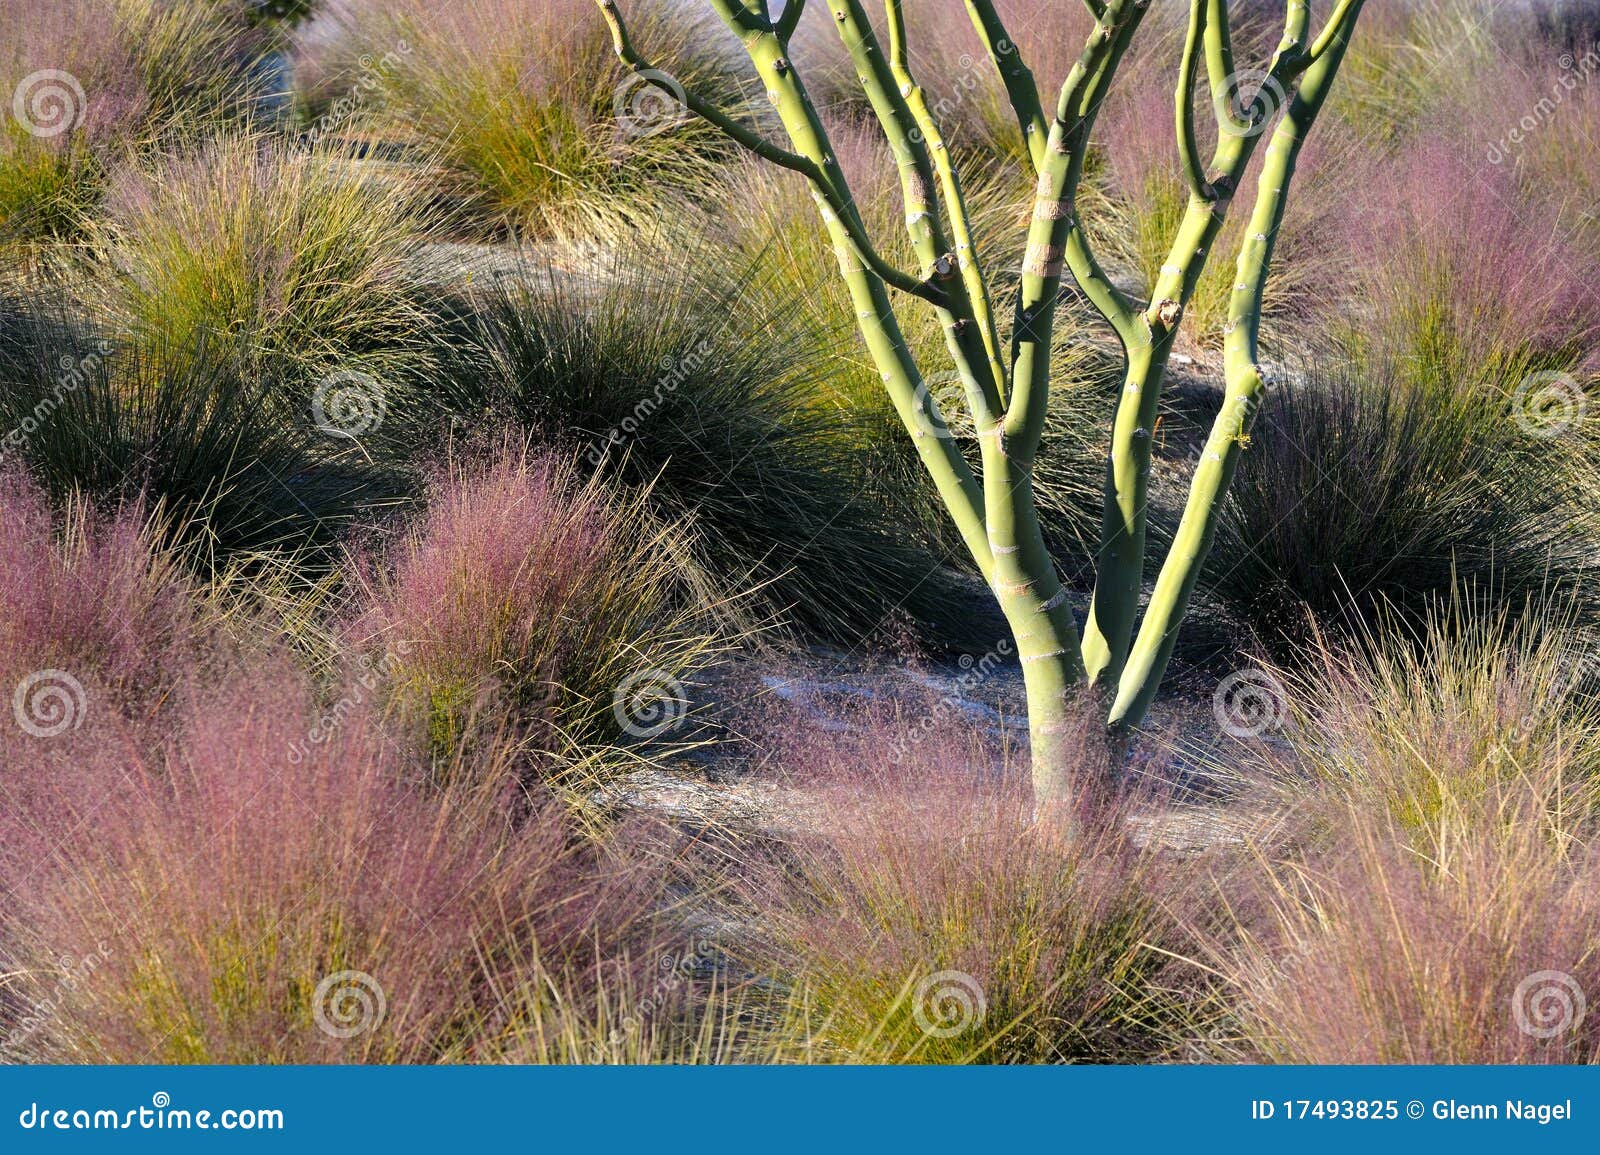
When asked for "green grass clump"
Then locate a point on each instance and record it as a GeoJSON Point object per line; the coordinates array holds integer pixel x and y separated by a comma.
{"type": "Point", "coordinates": [295, 262]}
{"type": "Point", "coordinates": [209, 442]}
{"type": "Point", "coordinates": [45, 192]}
{"type": "Point", "coordinates": [1364, 492]}
{"type": "Point", "coordinates": [98, 81]}
{"type": "Point", "coordinates": [1391, 81]}
{"type": "Point", "coordinates": [536, 126]}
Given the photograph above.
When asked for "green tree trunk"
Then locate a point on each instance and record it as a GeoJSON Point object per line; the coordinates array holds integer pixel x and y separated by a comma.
{"type": "Point", "coordinates": [1008, 397]}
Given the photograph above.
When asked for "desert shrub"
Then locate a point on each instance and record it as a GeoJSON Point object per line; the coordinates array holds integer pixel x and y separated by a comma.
{"type": "Point", "coordinates": [213, 447]}
{"type": "Point", "coordinates": [1541, 24]}
{"type": "Point", "coordinates": [1366, 490]}
{"type": "Point", "coordinates": [697, 378]}
{"type": "Point", "coordinates": [526, 108]}
{"type": "Point", "coordinates": [921, 916]}
{"type": "Point", "coordinates": [531, 592]}
{"type": "Point", "coordinates": [295, 262]}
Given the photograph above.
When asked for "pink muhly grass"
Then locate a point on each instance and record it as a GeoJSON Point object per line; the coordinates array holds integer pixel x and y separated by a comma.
{"type": "Point", "coordinates": [530, 587]}
{"type": "Point", "coordinates": [69, 37]}
{"type": "Point", "coordinates": [1438, 896]}
{"type": "Point", "coordinates": [1376, 953]}
{"type": "Point", "coordinates": [221, 879]}
{"type": "Point", "coordinates": [141, 68]}
{"type": "Point", "coordinates": [923, 917]}
{"type": "Point", "coordinates": [1467, 276]}
{"type": "Point", "coordinates": [90, 594]}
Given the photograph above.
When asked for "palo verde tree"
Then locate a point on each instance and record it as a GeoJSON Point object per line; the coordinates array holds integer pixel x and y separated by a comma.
{"type": "Point", "coordinates": [1006, 387]}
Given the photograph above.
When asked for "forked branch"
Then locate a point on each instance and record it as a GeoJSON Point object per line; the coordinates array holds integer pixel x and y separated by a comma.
{"type": "Point", "coordinates": [754, 142]}
{"type": "Point", "coordinates": [1008, 396]}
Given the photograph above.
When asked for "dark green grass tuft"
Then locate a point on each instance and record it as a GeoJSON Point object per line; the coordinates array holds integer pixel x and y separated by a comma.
{"type": "Point", "coordinates": [210, 443]}
{"type": "Point", "coordinates": [1360, 492]}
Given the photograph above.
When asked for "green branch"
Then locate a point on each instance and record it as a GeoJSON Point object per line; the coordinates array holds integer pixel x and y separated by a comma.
{"type": "Point", "coordinates": [1244, 378]}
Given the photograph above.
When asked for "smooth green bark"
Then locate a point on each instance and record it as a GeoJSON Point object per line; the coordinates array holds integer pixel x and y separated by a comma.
{"type": "Point", "coordinates": [1230, 432]}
